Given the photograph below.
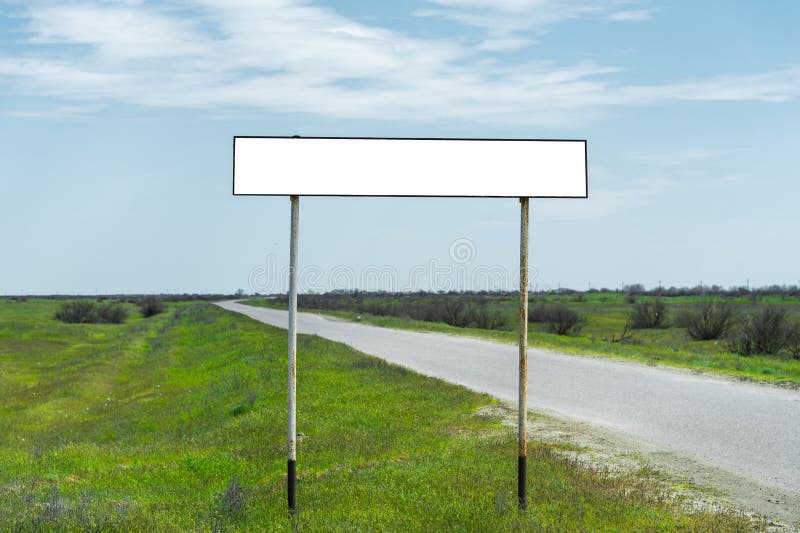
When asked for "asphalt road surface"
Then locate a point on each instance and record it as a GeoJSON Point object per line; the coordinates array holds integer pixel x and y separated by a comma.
{"type": "Point", "coordinates": [748, 429]}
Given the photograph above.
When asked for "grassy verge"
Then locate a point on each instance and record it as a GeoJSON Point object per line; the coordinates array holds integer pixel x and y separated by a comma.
{"type": "Point", "coordinates": [662, 346]}
{"type": "Point", "coordinates": [176, 423]}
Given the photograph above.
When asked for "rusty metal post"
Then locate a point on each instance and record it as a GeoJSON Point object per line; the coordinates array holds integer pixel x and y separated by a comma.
{"type": "Point", "coordinates": [292, 436]}
{"type": "Point", "coordinates": [523, 355]}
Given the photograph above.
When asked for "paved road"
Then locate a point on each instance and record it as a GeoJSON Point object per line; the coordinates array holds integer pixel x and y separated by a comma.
{"type": "Point", "coordinates": [748, 429]}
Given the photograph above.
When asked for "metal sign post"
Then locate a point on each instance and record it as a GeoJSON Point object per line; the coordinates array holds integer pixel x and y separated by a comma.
{"type": "Point", "coordinates": [408, 167]}
{"type": "Point", "coordinates": [522, 463]}
{"type": "Point", "coordinates": [292, 436]}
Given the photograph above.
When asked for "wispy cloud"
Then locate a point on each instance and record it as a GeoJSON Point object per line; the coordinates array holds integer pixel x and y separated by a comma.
{"type": "Point", "coordinates": [672, 158]}
{"type": "Point", "coordinates": [294, 56]}
{"type": "Point", "coordinates": [511, 23]}
{"type": "Point", "coordinates": [62, 111]}
{"type": "Point", "coordinates": [511, 15]}
{"type": "Point", "coordinates": [632, 15]}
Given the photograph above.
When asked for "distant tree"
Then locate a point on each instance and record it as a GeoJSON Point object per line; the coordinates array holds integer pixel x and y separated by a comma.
{"type": "Point", "coordinates": [636, 288]}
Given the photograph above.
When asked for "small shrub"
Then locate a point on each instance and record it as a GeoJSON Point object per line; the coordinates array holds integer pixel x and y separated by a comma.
{"type": "Point", "coordinates": [537, 313]}
{"type": "Point", "coordinates": [77, 312]}
{"type": "Point", "coordinates": [626, 336]}
{"type": "Point", "coordinates": [150, 306]}
{"type": "Point", "coordinates": [54, 508]}
{"type": "Point", "coordinates": [246, 405]}
{"type": "Point", "coordinates": [709, 321]}
{"type": "Point", "coordinates": [794, 341]}
{"type": "Point", "coordinates": [764, 332]}
{"type": "Point", "coordinates": [231, 502]}
{"type": "Point", "coordinates": [630, 298]}
{"type": "Point", "coordinates": [562, 320]}
{"type": "Point", "coordinates": [647, 315]}
{"type": "Point", "coordinates": [111, 313]}
{"type": "Point", "coordinates": [454, 313]}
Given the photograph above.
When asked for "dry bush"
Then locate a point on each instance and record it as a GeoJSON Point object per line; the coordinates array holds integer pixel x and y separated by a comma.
{"type": "Point", "coordinates": [77, 312]}
{"type": "Point", "coordinates": [562, 320]}
{"type": "Point", "coordinates": [766, 331]}
{"type": "Point", "coordinates": [150, 306]}
{"type": "Point", "coordinates": [648, 315]}
{"type": "Point", "coordinates": [708, 321]}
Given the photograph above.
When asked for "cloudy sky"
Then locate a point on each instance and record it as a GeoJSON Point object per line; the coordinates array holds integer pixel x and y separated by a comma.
{"type": "Point", "coordinates": [116, 119]}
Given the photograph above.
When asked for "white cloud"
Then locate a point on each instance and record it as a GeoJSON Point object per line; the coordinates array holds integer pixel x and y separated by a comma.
{"type": "Point", "coordinates": [117, 32]}
{"type": "Point", "coordinates": [293, 56]}
{"type": "Point", "coordinates": [633, 15]}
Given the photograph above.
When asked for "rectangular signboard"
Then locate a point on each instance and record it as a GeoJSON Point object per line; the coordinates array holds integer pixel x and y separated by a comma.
{"type": "Point", "coordinates": [336, 166]}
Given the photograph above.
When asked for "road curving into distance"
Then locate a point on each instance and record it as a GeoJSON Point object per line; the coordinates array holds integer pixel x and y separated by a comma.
{"type": "Point", "coordinates": [748, 429]}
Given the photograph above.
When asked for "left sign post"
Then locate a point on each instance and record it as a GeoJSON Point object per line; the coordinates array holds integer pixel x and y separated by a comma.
{"type": "Point", "coordinates": [292, 396]}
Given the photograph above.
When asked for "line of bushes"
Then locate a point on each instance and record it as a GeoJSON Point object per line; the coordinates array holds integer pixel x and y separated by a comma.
{"type": "Point", "coordinates": [459, 312]}
{"type": "Point", "coordinates": [766, 331]}
{"type": "Point", "coordinates": [92, 312]}
{"type": "Point", "coordinates": [451, 311]}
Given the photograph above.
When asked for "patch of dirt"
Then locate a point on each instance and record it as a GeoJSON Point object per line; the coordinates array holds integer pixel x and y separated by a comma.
{"type": "Point", "coordinates": [697, 484]}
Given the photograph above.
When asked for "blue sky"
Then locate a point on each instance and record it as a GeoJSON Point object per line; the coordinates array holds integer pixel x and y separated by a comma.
{"type": "Point", "coordinates": [116, 119]}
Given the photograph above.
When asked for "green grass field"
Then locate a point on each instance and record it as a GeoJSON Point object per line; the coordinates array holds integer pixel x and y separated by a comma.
{"type": "Point", "coordinates": [177, 423]}
{"type": "Point", "coordinates": [606, 315]}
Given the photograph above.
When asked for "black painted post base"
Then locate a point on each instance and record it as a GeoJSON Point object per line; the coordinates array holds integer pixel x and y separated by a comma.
{"type": "Point", "coordinates": [292, 482]}
{"type": "Point", "coordinates": [522, 474]}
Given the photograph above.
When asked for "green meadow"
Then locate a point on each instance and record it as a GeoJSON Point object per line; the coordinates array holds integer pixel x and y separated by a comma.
{"type": "Point", "coordinates": [177, 423]}
{"type": "Point", "coordinates": [605, 316]}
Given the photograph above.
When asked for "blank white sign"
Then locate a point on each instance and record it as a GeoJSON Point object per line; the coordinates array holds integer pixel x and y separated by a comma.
{"type": "Point", "coordinates": [326, 166]}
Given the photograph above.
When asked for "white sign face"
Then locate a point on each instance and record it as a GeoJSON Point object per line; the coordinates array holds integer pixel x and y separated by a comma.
{"type": "Point", "coordinates": [328, 166]}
